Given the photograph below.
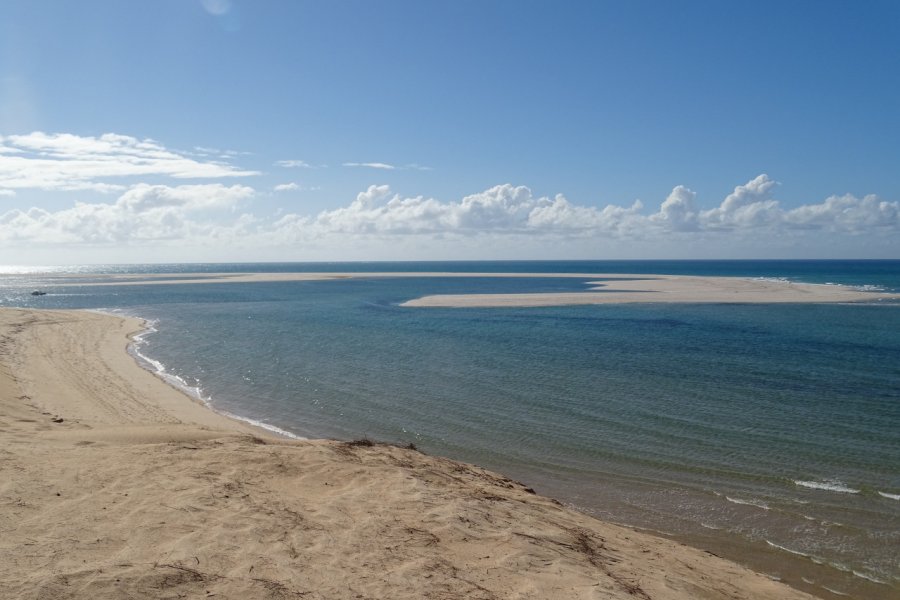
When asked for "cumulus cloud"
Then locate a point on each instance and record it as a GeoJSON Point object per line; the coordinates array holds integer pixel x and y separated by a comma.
{"type": "Point", "coordinates": [504, 209]}
{"type": "Point", "coordinates": [504, 216]}
{"type": "Point", "coordinates": [64, 161]}
{"type": "Point", "coordinates": [677, 212]}
{"type": "Point", "coordinates": [846, 213]}
{"type": "Point", "coordinates": [144, 212]}
{"type": "Point", "coordinates": [287, 187]}
{"type": "Point", "coordinates": [749, 205]}
{"type": "Point", "coordinates": [512, 210]}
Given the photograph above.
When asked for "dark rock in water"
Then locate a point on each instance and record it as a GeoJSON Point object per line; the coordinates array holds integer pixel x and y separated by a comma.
{"type": "Point", "coordinates": [38, 293]}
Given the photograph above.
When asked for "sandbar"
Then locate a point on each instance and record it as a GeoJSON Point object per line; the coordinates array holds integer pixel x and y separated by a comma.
{"type": "Point", "coordinates": [669, 289]}
{"type": "Point", "coordinates": [115, 485]}
{"type": "Point", "coordinates": [600, 288]}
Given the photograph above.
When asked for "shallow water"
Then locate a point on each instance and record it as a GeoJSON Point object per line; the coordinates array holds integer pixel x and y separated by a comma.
{"type": "Point", "coordinates": [767, 431]}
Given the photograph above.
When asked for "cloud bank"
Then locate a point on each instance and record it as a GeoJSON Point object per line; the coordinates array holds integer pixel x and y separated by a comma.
{"type": "Point", "coordinates": [514, 210]}
{"type": "Point", "coordinates": [157, 206]}
{"type": "Point", "coordinates": [209, 214]}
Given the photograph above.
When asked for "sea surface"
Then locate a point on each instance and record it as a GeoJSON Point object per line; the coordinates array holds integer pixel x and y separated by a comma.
{"type": "Point", "coordinates": [769, 434]}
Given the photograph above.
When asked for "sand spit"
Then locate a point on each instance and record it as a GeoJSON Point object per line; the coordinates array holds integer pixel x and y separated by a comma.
{"type": "Point", "coordinates": [194, 278]}
{"type": "Point", "coordinates": [114, 485]}
{"type": "Point", "coordinates": [602, 288]}
{"type": "Point", "coordinates": [629, 289]}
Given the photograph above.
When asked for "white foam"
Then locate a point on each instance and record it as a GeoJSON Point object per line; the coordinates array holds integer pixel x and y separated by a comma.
{"type": "Point", "coordinates": [756, 503]}
{"type": "Point", "coordinates": [788, 550]}
{"type": "Point", "coordinates": [263, 425]}
{"type": "Point", "coordinates": [833, 591]}
{"type": "Point", "coordinates": [891, 496]}
{"type": "Point", "coordinates": [828, 486]}
{"type": "Point", "coordinates": [869, 578]}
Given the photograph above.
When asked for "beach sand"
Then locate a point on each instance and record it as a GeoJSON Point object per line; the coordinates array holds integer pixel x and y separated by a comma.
{"type": "Point", "coordinates": [601, 288]}
{"type": "Point", "coordinates": [115, 485]}
{"type": "Point", "coordinates": [625, 289]}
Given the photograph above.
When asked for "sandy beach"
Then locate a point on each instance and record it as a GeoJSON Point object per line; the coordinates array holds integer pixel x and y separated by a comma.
{"type": "Point", "coordinates": [115, 485]}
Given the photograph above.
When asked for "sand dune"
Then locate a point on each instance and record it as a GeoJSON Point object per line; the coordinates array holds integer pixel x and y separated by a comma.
{"type": "Point", "coordinates": [115, 485]}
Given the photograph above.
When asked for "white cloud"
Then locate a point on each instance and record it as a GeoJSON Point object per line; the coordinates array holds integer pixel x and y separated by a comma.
{"type": "Point", "coordinates": [144, 212]}
{"type": "Point", "coordinates": [846, 213]}
{"type": "Point", "coordinates": [504, 220]}
{"type": "Point", "coordinates": [287, 187]}
{"type": "Point", "coordinates": [503, 209]}
{"type": "Point", "coordinates": [677, 212]}
{"type": "Point", "coordinates": [206, 150]}
{"type": "Point", "coordinates": [290, 164]}
{"type": "Point", "coordinates": [69, 162]}
{"type": "Point", "coordinates": [514, 210]}
{"type": "Point", "coordinates": [371, 165]}
{"type": "Point", "coordinates": [7, 192]}
{"type": "Point", "coordinates": [748, 205]}
{"type": "Point", "coordinates": [223, 154]}
{"type": "Point", "coordinates": [388, 167]}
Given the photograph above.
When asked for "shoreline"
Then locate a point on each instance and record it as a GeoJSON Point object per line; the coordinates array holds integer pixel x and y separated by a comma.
{"type": "Point", "coordinates": [782, 563]}
{"type": "Point", "coordinates": [194, 394]}
{"type": "Point", "coordinates": [222, 508]}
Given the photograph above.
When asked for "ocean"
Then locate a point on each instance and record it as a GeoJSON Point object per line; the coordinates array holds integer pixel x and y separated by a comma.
{"type": "Point", "coordinates": [768, 434]}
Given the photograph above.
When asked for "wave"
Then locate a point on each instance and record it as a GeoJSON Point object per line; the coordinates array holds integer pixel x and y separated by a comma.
{"type": "Point", "coordinates": [891, 496]}
{"type": "Point", "coordinates": [868, 578]}
{"type": "Point", "coordinates": [756, 503]}
{"type": "Point", "coordinates": [828, 486]}
{"type": "Point", "coordinates": [837, 566]}
{"type": "Point", "coordinates": [788, 550]}
{"type": "Point", "coordinates": [834, 591]}
{"type": "Point", "coordinates": [263, 425]}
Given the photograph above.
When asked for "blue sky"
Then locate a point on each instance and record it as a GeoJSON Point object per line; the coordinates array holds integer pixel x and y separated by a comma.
{"type": "Point", "coordinates": [237, 130]}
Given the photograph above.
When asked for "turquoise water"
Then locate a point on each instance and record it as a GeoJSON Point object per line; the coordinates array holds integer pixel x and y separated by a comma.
{"type": "Point", "coordinates": [772, 429]}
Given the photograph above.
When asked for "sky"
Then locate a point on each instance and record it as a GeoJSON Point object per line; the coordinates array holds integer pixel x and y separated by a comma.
{"type": "Point", "coordinates": [266, 130]}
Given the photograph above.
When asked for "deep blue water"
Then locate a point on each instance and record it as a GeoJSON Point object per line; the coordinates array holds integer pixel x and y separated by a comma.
{"type": "Point", "coordinates": [776, 425]}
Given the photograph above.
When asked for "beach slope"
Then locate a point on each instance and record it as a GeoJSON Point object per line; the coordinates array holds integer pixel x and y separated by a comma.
{"type": "Point", "coordinates": [115, 485]}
